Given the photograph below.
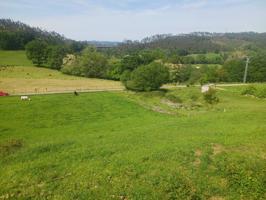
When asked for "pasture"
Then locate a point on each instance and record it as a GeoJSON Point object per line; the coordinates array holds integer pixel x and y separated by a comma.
{"type": "Point", "coordinates": [14, 58]}
{"type": "Point", "coordinates": [19, 76]}
{"type": "Point", "coordinates": [19, 80]}
{"type": "Point", "coordinates": [116, 146]}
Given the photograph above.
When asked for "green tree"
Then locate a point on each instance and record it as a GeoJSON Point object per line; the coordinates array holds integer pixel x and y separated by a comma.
{"type": "Point", "coordinates": [93, 63]}
{"type": "Point", "coordinates": [114, 69]}
{"type": "Point", "coordinates": [56, 55]}
{"type": "Point", "coordinates": [234, 70]}
{"type": "Point", "coordinates": [131, 62]}
{"type": "Point", "coordinates": [201, 59]}
{"type": "Point", "coordinates": [36, 51]}
{"type": "Point", "coordinates": [146, 77]}
{"type": "Point", "coordinates": [257, 68]}
{"type": "Point", "coordinates": [183, 73]}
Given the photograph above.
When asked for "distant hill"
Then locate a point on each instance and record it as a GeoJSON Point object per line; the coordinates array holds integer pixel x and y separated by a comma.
{"type": "Point", "coordinates": [14, 35]}
{"type": "Point", "coordinates": [104, 44]}
{"type": "Point", "coordinates": [198, 42]}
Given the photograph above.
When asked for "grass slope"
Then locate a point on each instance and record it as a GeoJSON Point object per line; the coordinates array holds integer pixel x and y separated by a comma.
{"type": "Point", "coordinates": [106, 146]}
{"type": "Point", "coordinates": [17, 80]}
{"type": "Point", "coordinates": [14, 58]}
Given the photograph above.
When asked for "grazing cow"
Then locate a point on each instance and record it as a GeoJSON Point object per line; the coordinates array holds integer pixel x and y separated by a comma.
{"type": "Point", "coordinates": [23, 98]}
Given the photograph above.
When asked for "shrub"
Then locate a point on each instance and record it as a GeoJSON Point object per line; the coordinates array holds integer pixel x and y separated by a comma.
{"type": "Point", "coordinates": [158, 93]}
{"type": "Point", "coordinates": [89, 64]}
{"type": "Point", "coordinates": [250, 90]}
{"type": "Point", "coordinates": [173, 98]}
{"type": "Point", "coordinates": [194, 97]}
{"type": "Point", "coordinates": [257, 91]}
{"type": "Point", "coordinates": [261, 93]}
{"type": "Point", "coordinates": [71, 66]}
{"type": "Point", "coordinates": [210, 96]}
{"type": "Point", "coordinates": [146, 78]}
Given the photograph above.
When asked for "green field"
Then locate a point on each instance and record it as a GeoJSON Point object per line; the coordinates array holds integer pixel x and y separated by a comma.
{"type": "Point", "coordinates": [115, 146]}
{"type": "Point", "coordinates": [19, 76]}
{"type": "Point", "coordinates": [14, 58]}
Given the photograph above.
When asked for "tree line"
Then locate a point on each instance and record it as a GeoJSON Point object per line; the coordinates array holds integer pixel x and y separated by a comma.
{"type": "Point", "coordinates": [147, 69]}
{"type": "Point", "coordinates": [146, 64]}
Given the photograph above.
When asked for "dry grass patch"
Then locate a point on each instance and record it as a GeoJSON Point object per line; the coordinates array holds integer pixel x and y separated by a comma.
{"type": "Point", "coordinates": [18, 86]}
{"type": "Point", "coordinates": [198, 154]}
{"type": "Point", "coordinates": [10, 146]}
{"type": "Point", "coordinates": [217, 198]}
{"type": "Point", "coordinates": [217, 149]}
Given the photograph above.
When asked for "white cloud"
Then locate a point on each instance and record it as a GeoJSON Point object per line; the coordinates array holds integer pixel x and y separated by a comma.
{"type": "Point", "coordinates": [95, 22]}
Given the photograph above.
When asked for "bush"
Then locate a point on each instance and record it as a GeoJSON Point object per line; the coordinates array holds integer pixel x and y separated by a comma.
{"type": "Point", "coordinates": [210, 96]}
{"type": "Point", "coordinates": [146, 78]}
{"type": "Point", "coordinates": [250, 90]}
{"type": "Point", "coordinates": [72, 70]}
{"type": "Point", "coordinates": [71, 66]}
{"type": "Point", "coordinates": [89, 64]}
{"type": "Point", "coordinates": [173, 98]}
{"type": "Point", "coordinates": [257, 91]}
{"type": "Point", "coordinates": [262, 93]}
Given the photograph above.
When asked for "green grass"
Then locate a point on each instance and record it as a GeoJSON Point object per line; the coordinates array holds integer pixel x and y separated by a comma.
{"type": "Point", "coordinates": [28, 72]}
{"type": "Point", "coordinates": [208, 55]}
{"type": "Point", "coordinates": [14, 58]}
{"type": "Point", "coordinates": [107, 146]}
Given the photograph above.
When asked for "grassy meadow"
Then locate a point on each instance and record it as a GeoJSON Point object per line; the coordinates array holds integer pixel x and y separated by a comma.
{"type": "Point", "coordinates": [18, 76]}
{"type": "Point", "coordinates": [165, 144]}
{"type": "Point", "coordinates": [19, 80]}
{"type": "Point", "coordinates": [14, 58]}
{"type": "Point", "coordinates": [125, 145]}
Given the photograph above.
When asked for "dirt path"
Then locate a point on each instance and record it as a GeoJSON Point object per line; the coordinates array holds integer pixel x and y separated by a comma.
{"type": "Point", "coordinates": [217, 85]}
{"type": "Point", "coordinates": [102, 88]}
{"type": "Point", "coordinates": [69, 91]}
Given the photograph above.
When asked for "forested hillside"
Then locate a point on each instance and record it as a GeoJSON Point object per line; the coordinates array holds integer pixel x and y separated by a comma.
{"type": "Point", "coordinates": [15, 35]}
{"type": "Point", "coordinates": [198, 42]}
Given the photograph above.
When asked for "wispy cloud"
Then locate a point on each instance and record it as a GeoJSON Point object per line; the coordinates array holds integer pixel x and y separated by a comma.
{"type": "Point", "coordinates": [135, 19]}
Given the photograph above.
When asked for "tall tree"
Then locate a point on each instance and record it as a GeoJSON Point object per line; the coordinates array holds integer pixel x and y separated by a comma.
{"type": "Point", "coordinates": [37, 52]}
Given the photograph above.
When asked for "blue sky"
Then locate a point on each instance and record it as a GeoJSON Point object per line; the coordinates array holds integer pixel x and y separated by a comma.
{"type": "Point", "coordinates": [135, 19]}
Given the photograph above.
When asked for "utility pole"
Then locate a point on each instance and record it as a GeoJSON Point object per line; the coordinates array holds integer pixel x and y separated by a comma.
{"type": "Point", "coordinates": [246, 71]}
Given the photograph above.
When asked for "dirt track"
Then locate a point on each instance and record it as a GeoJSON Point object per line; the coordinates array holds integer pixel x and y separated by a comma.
{"type": "Point", "coordinates": [102, 89]}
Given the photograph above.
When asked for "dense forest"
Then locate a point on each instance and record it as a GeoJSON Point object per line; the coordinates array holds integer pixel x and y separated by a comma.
{"type": "Point", "coordinates": [198, 42]}
{"type": "Point", "coordinates": [194, 58]}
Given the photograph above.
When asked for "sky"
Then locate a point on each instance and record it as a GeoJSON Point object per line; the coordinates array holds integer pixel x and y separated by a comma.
{"type": "Point", "coordinates": [118, 20]}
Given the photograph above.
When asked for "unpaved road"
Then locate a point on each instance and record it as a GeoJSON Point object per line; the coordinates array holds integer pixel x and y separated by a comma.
{"type": "Point", "coordinates": [106, 89]}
